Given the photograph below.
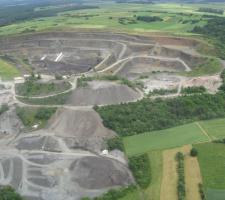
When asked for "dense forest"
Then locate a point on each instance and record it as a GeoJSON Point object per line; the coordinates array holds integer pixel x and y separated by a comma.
{"type": "Point", "coordinates": [215, 29]}
{"type": "Point", "coordinates": [149, 18]}
{"type": "Point", "coordinates": [211, 10]}
{"type": "Point", "coordinates": [27, 12]}
{"type": "Point", "coordinates": [149, 115]}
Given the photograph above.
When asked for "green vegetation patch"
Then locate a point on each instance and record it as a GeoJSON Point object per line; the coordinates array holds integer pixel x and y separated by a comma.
{"type": "Point", "coordinates": [215, 128]}
{"type": "Point", "coordinates": [211, 10]}
{"type": "Point", "coordinates": [215, 30]}
{"type": "Point", "coordinates": [160, 92]}
{"type": "Point", "coordinates": [140, 167]}
{"type": "Point", "coordinates": [222, 76]}
{"type": "Point", "coordinates": [59, 99]}
{"type": "Point", "coordinates": [4, 108]}
{"type": "Point", "coordinates": [115, 143]}
{"type": "Point", "coordinates": [34, 88]}
{"type": "Point", "coordinates": [83, 81]}
{"type": "Point", "coordinates": [32, 116]}
{"type": "Point", "coordinates": [181, 193]}
{"type": "Point", "coordinates": [148, 115]}
{"type": "Point", "coordinates": [116, 194]}
{"type": "Point", "coordinates": [152, 192]}
{"type": "Point", "coordinates": [7, 70]}
{"type": "Point", "coordinates": [8, 193]}
{"type": "Point", "coordinates": [195, 89]}
{"type": "Point", "coordinates": [133, 195]}
{"type": "Point", "coordinates": [215, 194]}
{"type": "Point", "coordinates": [211, 157]}
{"type": "Point", "coordinates": [164, 139]}
{"type": "Point", "coordinates": [209, 67]}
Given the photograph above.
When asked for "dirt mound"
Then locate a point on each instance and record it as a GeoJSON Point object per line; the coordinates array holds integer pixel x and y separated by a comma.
{"type": "Point", "coordinates": [80, 128]}
{"type": "Point", "coordinates": [97, 172]}
{"type": "Point", "coordinates": [103, 93]}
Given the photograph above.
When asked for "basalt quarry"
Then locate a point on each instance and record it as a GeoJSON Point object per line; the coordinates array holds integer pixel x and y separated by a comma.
{"type": "Point", "coordinates": [65, 159]}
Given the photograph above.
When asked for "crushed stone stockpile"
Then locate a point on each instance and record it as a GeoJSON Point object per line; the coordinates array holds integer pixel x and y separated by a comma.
{"type": "Point", "coordinates": [98, 172]}
{"type": "Point", "coordinates": [103, 93]}
{"type": "Point", "coordinates": [80, 129]}
{"type": "Point", "coordinates": [10, 123]}
{"type": "Point", "coordinates": [49, 176]}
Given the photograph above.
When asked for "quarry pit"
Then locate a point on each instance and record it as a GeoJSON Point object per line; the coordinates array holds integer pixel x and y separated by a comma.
{"type": "Point", "coordinates": [64, 160]}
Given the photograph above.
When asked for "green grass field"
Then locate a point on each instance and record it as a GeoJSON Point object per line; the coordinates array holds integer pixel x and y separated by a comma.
{"type": "Point", "coordinates": [215, 194]}
{"type": "Point", "coordinates": [132, 196]}
{"type": "Point", "coordinates": [153, 190]}
{"type": "Point", "coordinates": [8, 71]}
{"type": "Point", "coordinates": [211, 158]}
{"type": "Point", "coordinates": [106, 17]}
{"type": "Point", "coordinates": [209, 67]}
{"type": "Point", "coordinates": [164, 139]}
{"type": "Point", "coordinates": [215, 128]}
{"type": "Point", "coordinates": [174, 137]}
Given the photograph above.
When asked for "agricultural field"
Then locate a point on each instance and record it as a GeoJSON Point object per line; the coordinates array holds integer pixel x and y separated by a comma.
{"type": "Point", "coordinates": [165, 139]}
{"type": "Point", "coordinates": [211, 159]}
{"type": "Point", "coordinates": [196, 132]}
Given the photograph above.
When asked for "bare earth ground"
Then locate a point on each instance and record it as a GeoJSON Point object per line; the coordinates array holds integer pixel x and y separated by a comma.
{"type": "Point", "coordinates": [192, 176]}
{"type": "Point", "coordinates": [169, 180]}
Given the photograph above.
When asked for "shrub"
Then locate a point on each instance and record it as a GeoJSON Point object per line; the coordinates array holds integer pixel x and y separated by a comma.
{"type": "Point", "coordinates": [201, 191]}
{"type": "Point", "coordinates": [8, 193]}
{"type": "Point", "coordinates": [115, 143]}
{"type": "Point", "coordinates": [194, 152]}
{"type": "Point", "coordinates": [149, 18]}
{"type": "Point", "coordinates": [181, 181]}
{"type": "Point", "coordinates": [116, 194]}
{"type": "Point", "coordinates": [30, 116]}
{"type": "Point", "coordinates": [4, 108]}
{"type": "Point", "coordinates": [140, 167]}
{"type": "Point", "coordinates": [156, 114]}
{"type": "Point", "coordinates": [162, 92]}
{"type": "Point", "coordinates": [44, 113]}
{"type": "Point", "coordinates": [195, 89]}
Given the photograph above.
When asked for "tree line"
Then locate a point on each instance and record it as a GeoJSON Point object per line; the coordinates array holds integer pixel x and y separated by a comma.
{"type": "Point", "coordinates": [215, 28]}
{"type": "Point", "coordinates": [148, 115]}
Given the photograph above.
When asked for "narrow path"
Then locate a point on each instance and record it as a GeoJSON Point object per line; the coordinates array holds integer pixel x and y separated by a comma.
{"type": "Point", "coordinates": [168, 59]}
{"type": "Point", "coordinates": [123, 50]}
{"type": "Point", "coordinates": [203, 131]}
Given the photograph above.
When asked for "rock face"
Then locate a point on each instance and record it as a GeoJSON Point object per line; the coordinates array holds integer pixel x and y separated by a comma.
{"type": "Point", "coordinates": [103, 93]}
